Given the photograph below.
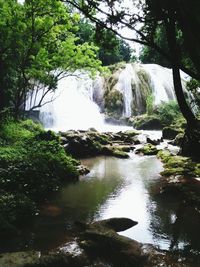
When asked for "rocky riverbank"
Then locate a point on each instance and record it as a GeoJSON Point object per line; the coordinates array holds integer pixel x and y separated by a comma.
{"type": "Point", "coordinates": [82, 144]}
{"type": "Point", "coordinates": [100, 245]}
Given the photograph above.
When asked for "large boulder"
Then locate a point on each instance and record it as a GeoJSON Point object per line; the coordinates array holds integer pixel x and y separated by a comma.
{"type": "Point", "coordinates": [101, 237]}
{"type": "Point", "coordinates": [146, 122]}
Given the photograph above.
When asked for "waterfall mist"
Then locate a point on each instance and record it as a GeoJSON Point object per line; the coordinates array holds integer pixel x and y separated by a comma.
{"type": "Point", "coordinates": [73, 106]}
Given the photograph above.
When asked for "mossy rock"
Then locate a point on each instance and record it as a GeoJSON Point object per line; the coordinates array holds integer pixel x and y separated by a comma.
{"type": "Point", "coordinates": [120, 154]}
{"type": "Point", "coordinates": [164, 155]}
{"type": "Point", "coordinates": [115, 152]}
{"type": "Point", "coordinates": [179, 139]}
{"type": "Point", "coordinates": [114, 102]}
{"type": "Point", "coordinates": [115, 67]}
{"type": "Point", "coordinates": [131, 133]}
{"type": "Point", "coordinates": [100, 238]}
{"type": "Point", "coordinates": [146, 122]}
{"type": "Point", "coordinates": [148, 149]}
{"type": "Point", "coordinates": [178, 165]}
{"type": "Point", "coordinates": [170, 133]}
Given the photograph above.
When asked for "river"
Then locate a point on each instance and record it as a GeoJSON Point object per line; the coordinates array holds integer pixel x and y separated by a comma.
{"type": "Point", "coordinates": [115, 188]}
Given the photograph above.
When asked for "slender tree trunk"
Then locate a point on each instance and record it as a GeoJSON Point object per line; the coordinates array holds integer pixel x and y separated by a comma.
{"type": "Point", "coordinates": [191, 142]}
{"type": "Point", "coordinates": [175, 60]}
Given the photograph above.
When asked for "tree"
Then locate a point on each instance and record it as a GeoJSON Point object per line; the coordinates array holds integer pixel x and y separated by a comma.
{"type": "Point", "coordinates": [179, 20]}
{"type": "Point", "coordinates": [150, 55]}
{"type": "Point", "coordinates": [112, 49]}
{"type": "Point", "coordinates": [38, 47]}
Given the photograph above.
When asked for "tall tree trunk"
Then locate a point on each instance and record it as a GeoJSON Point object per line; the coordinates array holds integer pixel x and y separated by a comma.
{"type": "Point", "coordinates": [191, 142]}
{"type": "Point", "coordinates": [175, 60]}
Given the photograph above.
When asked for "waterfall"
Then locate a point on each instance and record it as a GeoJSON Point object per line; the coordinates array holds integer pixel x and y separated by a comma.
{"type": "Point", "coordinates": [79, 101]}
{"type": "Point", "coordinates": [73, 107]}
{"type": "Point", "coordinates": [124, 85]}
{"type": "Point", "coordinates": [161, 82]}
{"type": "Point", "coordinates": [136, 82]}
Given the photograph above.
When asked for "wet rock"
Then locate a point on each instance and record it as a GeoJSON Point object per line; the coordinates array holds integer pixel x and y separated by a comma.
{"type": "Point", "coordinates": [92, 130]}
{"type": "Point", "coordinates": [151, 124]}
{"type": "Point", "coordinates": [101, 237]}
{"type": "Point", "coordinates": [170, 133]}
{"type": "Point", "coordinates": [60, 260]}
{"type": "Point", "coordinates": [112, 151]}
{"type": "Point", "coordinates": [153, 142]}
{"type": "Point", "coordinates": [147, 149]}
{"type": "Point", "coordinates": [92, 143]}
{"type": "Point", "coordinates": [83, 170]}
{"type": "Point", "coordinates": [116, 224]}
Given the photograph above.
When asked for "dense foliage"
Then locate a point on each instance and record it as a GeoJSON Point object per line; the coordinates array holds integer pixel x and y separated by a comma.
{"type": "Point", "coordinates": [169, 113]}
{"type": "Point", "coordinates": [32, 164]}
{"type": "Point", "coordinates": [151, 55]}
{"type": "Point", "coordinates": [112, 49]}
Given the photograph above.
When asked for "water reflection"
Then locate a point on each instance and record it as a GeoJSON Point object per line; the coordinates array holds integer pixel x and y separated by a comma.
{"type": "Point", "coordinates": [117, 188]}
{"type": "Point", "coordinates": [132, 199]}
{"type": "Point", "coordinates": [177, 222]}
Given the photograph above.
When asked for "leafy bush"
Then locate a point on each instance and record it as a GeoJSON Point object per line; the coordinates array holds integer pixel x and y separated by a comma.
{"type": "Point", "coordinates": [169, 112]}
{"type": "Point", "coordinates": [32, 164]}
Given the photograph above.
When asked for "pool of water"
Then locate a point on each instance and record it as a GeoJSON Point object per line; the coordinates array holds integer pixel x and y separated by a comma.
{"type": "Point", "coordinates": [115, 188]}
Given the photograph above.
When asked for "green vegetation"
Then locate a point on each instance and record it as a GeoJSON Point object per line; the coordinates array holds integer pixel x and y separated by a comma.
{"type": "Point", "coordinates": [32, 164]}
{"type": "Point", "coordinates": [178, 165]}
{"type": "Point", "coordinates": [165, 115]}
{"type": "Point", "coordinates": [149, 104]}
{"type": "Point", "coordinates": [148, 150]}
{"type": "Point", "coordinates": [193, 87]}
{"type": "Point", "coordinates": [169, 113]}
{"type": "Point", "coordinates": [38, 47]}
{"type": "Point", "coordinates": [112, 49]}
{"type": "Point", "coordinates": [151, 55]}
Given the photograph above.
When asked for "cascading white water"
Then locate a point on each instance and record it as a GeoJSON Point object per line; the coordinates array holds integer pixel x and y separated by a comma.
{"type": "Point", "coordinates": [137, 81]}
{"type": "Point", "coordinates": [161, 82]}
{"type": "Point", "coordinates": [73, 107]}
{"type": "Point", "coordinates": [124, 86]}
